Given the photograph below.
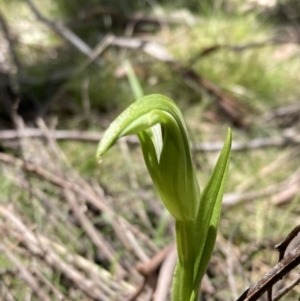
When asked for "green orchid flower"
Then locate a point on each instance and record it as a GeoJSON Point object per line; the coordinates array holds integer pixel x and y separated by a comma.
{"type": "Point", "coordinates": [164, 140]}
{"type": "Point", "coordinates": [163, 136]}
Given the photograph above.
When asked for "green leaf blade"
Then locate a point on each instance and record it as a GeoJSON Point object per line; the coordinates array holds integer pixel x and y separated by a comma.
{"type": "Point", "coordinates": [209, 212]}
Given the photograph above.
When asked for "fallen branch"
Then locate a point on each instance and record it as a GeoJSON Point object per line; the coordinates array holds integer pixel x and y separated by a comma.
{"type": "Point", "coordinates": [284, 266]}
{"type": "Point", "coordinates": [209, 146]}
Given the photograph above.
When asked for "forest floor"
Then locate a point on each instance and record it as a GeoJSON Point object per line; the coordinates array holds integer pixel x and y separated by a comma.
{"type": "Point", "coordinates": [73, 229]}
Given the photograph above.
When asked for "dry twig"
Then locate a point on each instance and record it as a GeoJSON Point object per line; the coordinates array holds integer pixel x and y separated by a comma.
{"type": "Point", "coordinates": [149, 270]}
{"type": "Point", "coordinates": [286, 289]}
{"type": "Point", "coordinates": [119, 224]}
{"type": "Point", "coordinates": [285, 265]}
{"type": "Point", "coordinates": [165, 276]}
{"type": "Point", "coordinates": [95, 236]}
{"type": "Point", "coordinates": [24, 273]}
{"type": "Point", "coordinates": [45, 252]}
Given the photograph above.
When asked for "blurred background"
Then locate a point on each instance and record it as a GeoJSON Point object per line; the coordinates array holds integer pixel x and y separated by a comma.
{"type": "Point", "coordinates": [71, 229]}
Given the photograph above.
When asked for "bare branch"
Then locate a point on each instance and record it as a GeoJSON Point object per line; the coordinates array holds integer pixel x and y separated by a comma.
{"type": "Point", "coordinates": [282, 246]}
{"type": "Point", "coordinates": [285, 265]}
{"type": "Point", "coordinates": [286, 289]}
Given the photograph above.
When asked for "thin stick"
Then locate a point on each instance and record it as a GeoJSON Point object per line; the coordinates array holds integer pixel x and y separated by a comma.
{"type": "Point", "coordinates": [63, 31]}
{"type": "Point", "coordinates": [117, 222]}
{"type": "Point", "coordinates": [48, 255]}
{"type": "Point", "coordinates": [58, 294]}
{"type": "Point", "coordinates": [95, 236]}
{"type": "Point", "coordinates": [25, 273]}
{"type": "Point", "coordinates": [286, 289]}
{"type": "Point", "coordinates": [274, 275]}
{"type": "Point", "coordinates": [282, 246]}
{"type": "Point", "coordinates": [209, 146]}
{"type": "Point", "coordinates": [165, 276]}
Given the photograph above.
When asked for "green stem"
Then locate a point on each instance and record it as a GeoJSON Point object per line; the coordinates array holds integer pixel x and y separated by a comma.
{"type": "Point", "coordinates": [185, 238]}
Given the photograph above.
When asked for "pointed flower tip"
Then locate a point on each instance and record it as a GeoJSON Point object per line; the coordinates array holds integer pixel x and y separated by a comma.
{"type": "Point", "coordinates": [99, 159]}
{"type": "Point", "coordinates": [100, 153]}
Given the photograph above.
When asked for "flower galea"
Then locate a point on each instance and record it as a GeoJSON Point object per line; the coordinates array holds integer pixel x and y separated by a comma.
{"type": "Point", "coordinates": [163, 137]}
